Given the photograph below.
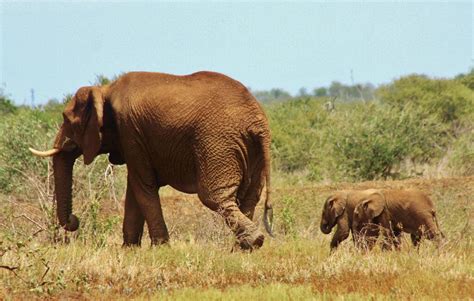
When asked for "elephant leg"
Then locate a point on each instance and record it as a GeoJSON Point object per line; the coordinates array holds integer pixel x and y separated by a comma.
{"type": "Point", "coordinates": [247, 233]}
{"type": "Point", "coordinates": [372, 237]}
{"type": "Point", "coordinates": [397, 238]}
{"type": "Point", "coordinates": [224, 201]}
{"type": "Point", "coordinates": [415, 239]}
{"type": "Point", "coordinates": [145, 190]}
{"type": "Point", "coordinates": [253, 191]}
{"type": "Point", "coordinates": [388, 239]}
{"type": "Point", "coordinates": [366, 238]}
{"type": "Point", "coordinates": [221, 171]}
{"type": "Point", "coordinates": [133, 221]}
{"type": "Point", "coordinates": [432, 232]}
{"type": "Point", "coordinates": [341, 233]}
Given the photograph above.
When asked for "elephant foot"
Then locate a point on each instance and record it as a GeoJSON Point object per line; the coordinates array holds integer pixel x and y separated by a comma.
{"type": "Point", "coordinates": [132, 239]}
{"type": "Point", "coordinates": [131, 245]}
{"type": "Point", "coordinates": [160, 241]}
{"type": "Point", "coordinates": [249, 242]}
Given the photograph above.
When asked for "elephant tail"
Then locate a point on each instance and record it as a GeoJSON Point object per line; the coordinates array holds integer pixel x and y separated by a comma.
{"type": "Point", "coordinates": [433, 213]}
{"type": "Point", "coordinates": [264, 139]}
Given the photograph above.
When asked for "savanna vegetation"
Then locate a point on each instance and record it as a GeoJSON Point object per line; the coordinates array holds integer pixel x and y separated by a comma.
{"type": "Point", "coordinates": [415, 132]}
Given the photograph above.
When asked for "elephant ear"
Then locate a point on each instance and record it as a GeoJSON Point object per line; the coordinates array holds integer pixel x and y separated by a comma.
{"type": "Point", "coordinates": [92, 136]}
{"type": "Point", "coordinates": [337, 206]}
{"type": "Point", "coordinates": [372, 208]}
{"type": "Point", "coordinates": [87, 120]}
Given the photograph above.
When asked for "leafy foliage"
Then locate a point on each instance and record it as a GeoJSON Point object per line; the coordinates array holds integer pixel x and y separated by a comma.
{"type": "Point", "coordinates": [272, 95]}
{"type": "Point", "coordinates": [447, 100]}
{"type": "Point", "coordinates": [375, 140]}
{"type": "Point", "coordinates": [22, 130]}
{"type": "Point", "coordinates": [6, 104]}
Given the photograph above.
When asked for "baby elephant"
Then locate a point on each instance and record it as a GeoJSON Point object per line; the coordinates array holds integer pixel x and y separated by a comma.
{"type": "Point", "coordinates": [394, 212]}
{"type": "Point", "coordinates": [338, 209]}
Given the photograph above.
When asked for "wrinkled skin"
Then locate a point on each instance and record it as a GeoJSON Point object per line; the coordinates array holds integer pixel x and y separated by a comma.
{"type": "Point", "coordinates": [338, 210]}
{"type": "Point", "coordinates": [394, 212]}
{"type": "Point", "coordinates": [202, 133]}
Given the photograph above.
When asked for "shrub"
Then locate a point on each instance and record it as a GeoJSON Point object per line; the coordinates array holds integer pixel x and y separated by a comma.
{"type": "Point", "coordinates": [297, 137]}
{"type": "Point", "coordinates": [447, 100]}
{"type": "Point", "coordinates": [22, 130]}
{"type": "Point", "coordinates": [374, 140]}
{"type": "Point", "coordinates": [461, 155]}
{"type": "Point", "coordinates": [467, 79]}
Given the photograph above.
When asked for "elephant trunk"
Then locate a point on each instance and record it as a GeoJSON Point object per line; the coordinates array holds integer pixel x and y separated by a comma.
{"type": "Point", "coordinates": [355, 226]}
{"type": "Point", "coordinates": [325, 228]}
{"type": "Point", "coordinates": [63, 165]}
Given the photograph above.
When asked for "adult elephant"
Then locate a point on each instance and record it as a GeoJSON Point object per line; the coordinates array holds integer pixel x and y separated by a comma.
{"type": "Point", "coordinates": [202, 133]}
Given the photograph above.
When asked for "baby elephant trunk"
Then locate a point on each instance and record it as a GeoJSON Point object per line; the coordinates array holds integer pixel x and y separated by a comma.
{"type": "Point", "coordinates": [325, 227]}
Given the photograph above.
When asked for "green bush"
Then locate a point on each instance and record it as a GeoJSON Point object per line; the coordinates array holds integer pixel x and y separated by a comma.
{"type": "Point", "coordinates": [374, 140]}
{"type": "Point", "coordinates": [461, 154]}
{"type": "Point", "coordinates": [467, 79]}
{"type": "Point", "coordinates": [24, 129]}
{"type": "Point", "coordinates": [297, 136]}
{"type": "Point", "coordinates": [6, 104]}
{"type": "Point", "coordinates": [447, 100]}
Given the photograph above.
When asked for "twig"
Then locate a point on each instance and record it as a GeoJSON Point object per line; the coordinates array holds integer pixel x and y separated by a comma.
{"type": "Point", "coordinates": [31, 220]}
{"type": "Point", "coordinates": [45, 272]}
{"type": "Point", "coordinates": [12, 269]}
{"type": "Point", "coordinates": [37, 232]}
{"type": "Point", "coordinates": [109, 177]}
{"type": "Point", "coordinates": [8, 267]}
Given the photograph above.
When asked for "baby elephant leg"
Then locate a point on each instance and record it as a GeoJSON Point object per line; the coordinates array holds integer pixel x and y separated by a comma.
{"type": "Point", "coordinates": [341, 234]}
{"type": "Point", "coordinates": [432, 232]}
{"type": "Point", "coordinates": [415, 238]}
{"type": "Point", "coordinates": [367, 237]}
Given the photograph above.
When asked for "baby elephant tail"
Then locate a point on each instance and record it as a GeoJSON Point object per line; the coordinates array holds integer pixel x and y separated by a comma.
{"type": "Point", "coordinates": [433, 213]}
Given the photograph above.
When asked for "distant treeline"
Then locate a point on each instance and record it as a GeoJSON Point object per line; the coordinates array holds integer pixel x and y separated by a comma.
{"type": "Point", "coordinates": [335, 90]}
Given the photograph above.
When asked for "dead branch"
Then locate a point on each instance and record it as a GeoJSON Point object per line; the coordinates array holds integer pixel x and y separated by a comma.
{"type": "Point", "coordinates": [31, 220]}
{"type": "Point", "coordinates": [12, 269]}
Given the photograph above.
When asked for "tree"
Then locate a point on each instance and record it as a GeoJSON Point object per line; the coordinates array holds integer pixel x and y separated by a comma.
{"type": "Point", "coordinates": [320, 92]}
{"type": "Point", "coordinates": [274, 94]}
{"type": "Point", "coordinates": [302, 92]}
{"type": "Point", "coordinates": [6, 104]}
{"type": "Point", "coordinates": [336, 89]}
{"type": "Point", "coordinates": [467, 79]}
{"type": "Point", "coordinates": [447, 99]}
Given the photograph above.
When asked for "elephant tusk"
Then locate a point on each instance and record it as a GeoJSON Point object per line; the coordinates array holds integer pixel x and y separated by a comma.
{"type": "Point", "coordinates": [47, 153]}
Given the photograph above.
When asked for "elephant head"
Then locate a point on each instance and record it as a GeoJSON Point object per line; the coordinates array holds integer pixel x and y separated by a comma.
{"type": "Point", "coordinates": [81, 133]}
{"type": "Point", "coordinates": [368, 210]}
{"type": "Point", "coordinates": [333, 208]}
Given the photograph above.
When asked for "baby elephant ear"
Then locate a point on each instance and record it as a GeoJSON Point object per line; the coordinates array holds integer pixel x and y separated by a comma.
{"type": "Point", "coordinates": [372, 208]}
{"type": "Point", "coordinates": [337, 206]}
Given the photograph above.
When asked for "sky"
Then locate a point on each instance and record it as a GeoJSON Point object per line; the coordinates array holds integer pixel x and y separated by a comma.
{"type": "Point", "coordinates": [56, 47]}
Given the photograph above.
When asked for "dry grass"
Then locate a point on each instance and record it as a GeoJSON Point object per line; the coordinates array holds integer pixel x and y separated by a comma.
{"type": "Point", "coordinates": [198, 263]}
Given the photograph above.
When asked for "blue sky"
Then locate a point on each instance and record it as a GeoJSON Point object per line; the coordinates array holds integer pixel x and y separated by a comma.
{"type": "Point", "coordinates": [57, 47]}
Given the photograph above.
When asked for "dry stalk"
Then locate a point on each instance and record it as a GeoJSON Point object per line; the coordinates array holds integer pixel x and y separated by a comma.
{"type": "Point", "coordinates": [13, 270]}
{"type": "Point", "coordinates": [109, 177]}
